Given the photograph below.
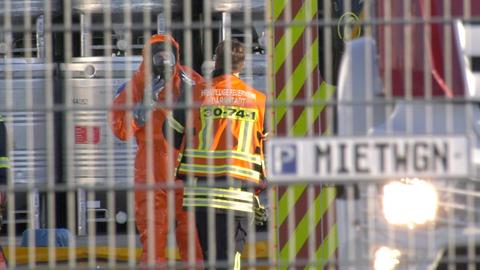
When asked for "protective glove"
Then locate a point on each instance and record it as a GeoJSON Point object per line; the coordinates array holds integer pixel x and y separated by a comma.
{"type": "Point", "coordinates": [158, 85]}
{"type": "Point", "coordinates": [140, 114]}
{"type": "Point", "coordinates": [261, 214]}
{"type": "Point", "coordinates": [140, 111]}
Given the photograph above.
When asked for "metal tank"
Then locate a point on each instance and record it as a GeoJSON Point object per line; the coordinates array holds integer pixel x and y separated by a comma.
{"type": "Point", "coordinates": [118, 6]}
{"type": "Point", "coordinates": [93, 43]}
{"type": "Point", "coordinates": [98, 157]}
{"type": "Point", "coordinates": [255, 71]}
{"type": "Point", "coordinates": [23, 98]}
{"type": "Point", "coordinates": [238, 5]}
{"type": "Point", "coordinates": [18, 8]}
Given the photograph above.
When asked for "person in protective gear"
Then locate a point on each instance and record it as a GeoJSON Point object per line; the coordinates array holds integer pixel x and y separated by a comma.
{"type": "Point", "coordinates": [222, 142]}
{"type": "Point", "coordinates": [168, 80]}
{"type": "Point", "coordinates": [4, 168]}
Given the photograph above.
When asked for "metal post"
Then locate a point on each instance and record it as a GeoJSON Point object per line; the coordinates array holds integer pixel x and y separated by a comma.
{"type": "Point", "coordinates": [85, 35]}
{"type": "Point", "coordinates": [82, 212]}
{"type": "Point", "coordinates": [161, 24]}
{"type": "Point", "coordinates": [40, 34]}
{"type": "Point", "coordinates": [226, 30]}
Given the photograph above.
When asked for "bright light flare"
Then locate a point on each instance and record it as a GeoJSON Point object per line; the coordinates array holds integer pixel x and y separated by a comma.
{"type": "Point", "coordinates": [409, 202]}
{"type": "Point", "coordinates": [386, 258]}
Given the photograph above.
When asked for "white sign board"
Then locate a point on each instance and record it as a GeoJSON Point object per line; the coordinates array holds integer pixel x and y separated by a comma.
{"type": "Point", "coordinates": [365, 158]}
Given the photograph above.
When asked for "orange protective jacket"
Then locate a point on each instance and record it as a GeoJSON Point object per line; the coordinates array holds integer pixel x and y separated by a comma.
{"type": "Point", "coordinates": [225, 141]}
{"type": "Point", "coordinates": [162, 160]}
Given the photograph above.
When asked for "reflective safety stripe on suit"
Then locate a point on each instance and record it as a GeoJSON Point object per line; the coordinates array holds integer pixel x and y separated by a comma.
{"type": "Point", "coordinates": [221, 198]}
{"type": "Point", "coordinates": [4, 162]}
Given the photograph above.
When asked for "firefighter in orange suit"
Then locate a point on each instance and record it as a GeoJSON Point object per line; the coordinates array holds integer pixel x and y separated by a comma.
{"type": "Point", "coordinates": [222, 163]}
{"type": "Point", "coordinates": [168, 80]}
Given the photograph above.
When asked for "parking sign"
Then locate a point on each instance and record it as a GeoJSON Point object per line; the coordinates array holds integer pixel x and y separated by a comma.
{"type": "Point", "coordinates": [364, 158]}
{"type": "Point", "coordinates": [285, 159]}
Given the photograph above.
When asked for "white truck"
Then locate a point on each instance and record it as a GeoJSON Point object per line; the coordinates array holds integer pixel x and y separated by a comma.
{"type": "Point", "coordinates": [430, 220]}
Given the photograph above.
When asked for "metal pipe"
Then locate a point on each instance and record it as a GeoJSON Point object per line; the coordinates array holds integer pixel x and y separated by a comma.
{"type": "Point", "coordinates": [161, 24]}
{"type": "Point", "coordinates": [85, 35]}
{"type": "Point", "coordinates": [226, 30]}
{"type": "Point", "coordinates": [40, 35]}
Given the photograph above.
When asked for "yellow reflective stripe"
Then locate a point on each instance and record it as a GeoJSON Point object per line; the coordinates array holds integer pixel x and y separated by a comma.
{"type": "Point", "coordinates": [241, 133]}
{"type": "Point", "coordinates": [4, 162]}
{"type": "Point", "coordinates": [247, 136]}
{"type": "Point", "coordinates": [238, 257]}
{"type": "Point", "coordinates": [201, 133]}
{"type": "Point", "coordinates": [223, 154]}
{"type": "Point", "coordinates": [205, 134]}
{"type": "Point", "coordinates": [235, 194]}
{"type": "Point", "coordinates": [209, 134]}
{"type": "Point", "coordinates": [219, 169]}
{"type": "Point", "coordinates": [214, 203]}
{"type": "Point", "coordinates": [172, 122]}
{"type": "Point", "coordinates": [179, 159]}
{"type": "Point", "coordinates": [245, 139]}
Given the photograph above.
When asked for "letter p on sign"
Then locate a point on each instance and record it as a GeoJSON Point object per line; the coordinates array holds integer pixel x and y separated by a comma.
{"type": "Point", "coordinates": [285, 159]}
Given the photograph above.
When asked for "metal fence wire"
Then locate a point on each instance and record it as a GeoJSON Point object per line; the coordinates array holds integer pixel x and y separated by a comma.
{"type": "Point", "coordinates": [320, 134]}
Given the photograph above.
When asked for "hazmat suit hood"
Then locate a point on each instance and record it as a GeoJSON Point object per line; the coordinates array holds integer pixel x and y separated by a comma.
{"type": "Point", "coordinates": [160, 42]}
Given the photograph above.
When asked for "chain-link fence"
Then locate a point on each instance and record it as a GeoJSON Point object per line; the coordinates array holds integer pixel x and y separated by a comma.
{"type": "Point", "coordinates": [340, 134]}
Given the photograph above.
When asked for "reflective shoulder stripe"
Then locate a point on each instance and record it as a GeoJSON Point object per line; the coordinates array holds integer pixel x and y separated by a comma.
{"type": "Point", "coordinates": [4, 162]}
{"type": "Point", "coordinates": [1, 118]}
{"type": "Point", "coordinates": [173, 123]}
{"type": "Point", "coordinates": [224, 154]}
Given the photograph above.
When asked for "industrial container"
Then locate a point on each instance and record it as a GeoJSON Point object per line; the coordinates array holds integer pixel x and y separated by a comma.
{"type": "Point", "coordinates": [17, 9]}
{"type": "Point", "coordinates": [255, 71]}
{"type": "Point", "coordinates": [118, 6]}
{"type": "Point", "coordinates": [238, 5]}
{"type": "Point", "coordinates": [23, 86]}
{"type": "Point", "coordinates": [14, 41]}
{"type": "Point", "coordinates": [98, 157]}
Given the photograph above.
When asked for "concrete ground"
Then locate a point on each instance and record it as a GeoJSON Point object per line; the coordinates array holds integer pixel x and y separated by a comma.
{"type": "Point", "coordinates": [95, 253]}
